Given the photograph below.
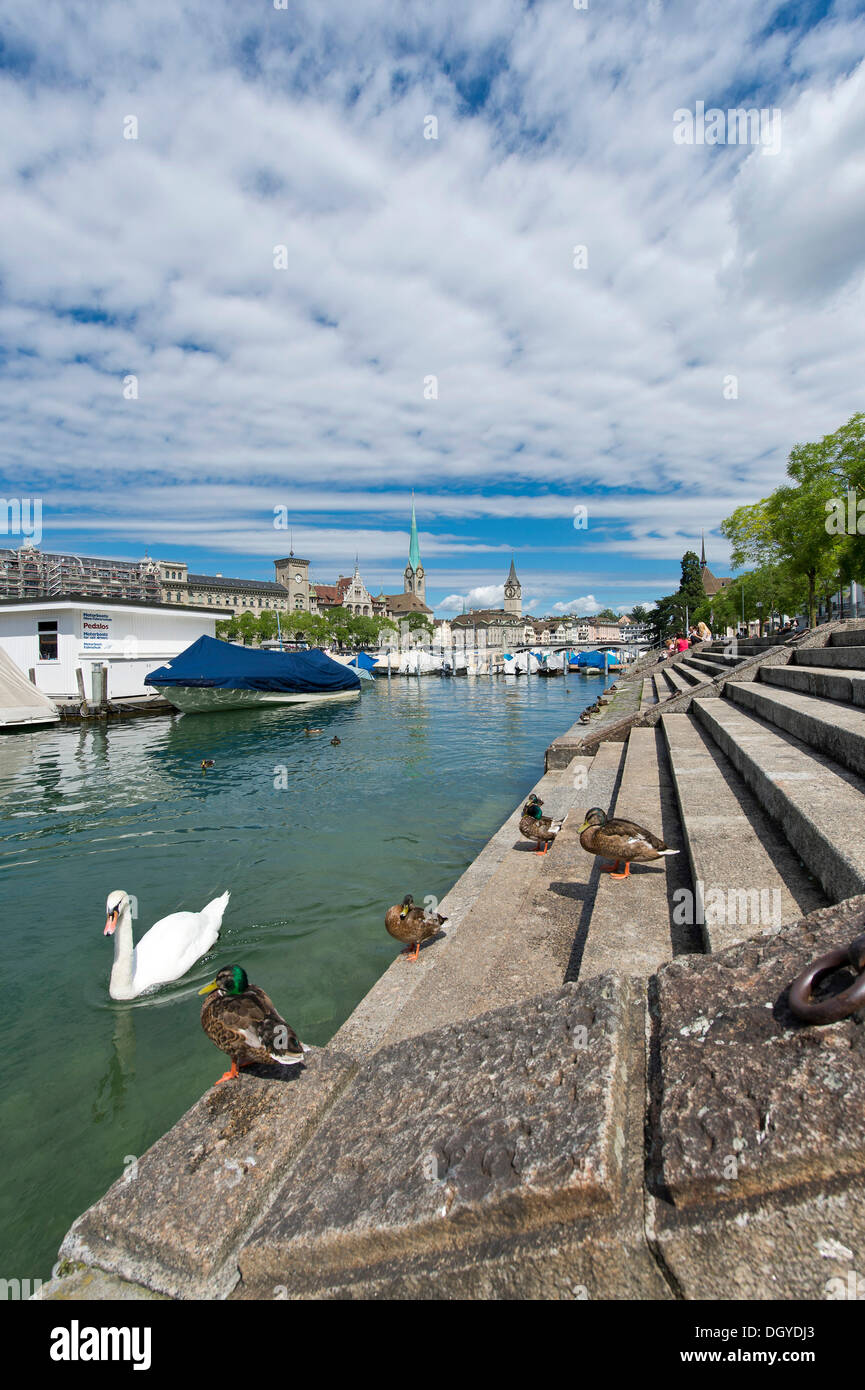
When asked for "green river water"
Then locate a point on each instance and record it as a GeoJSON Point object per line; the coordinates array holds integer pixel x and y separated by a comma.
{"type": "Point", "coordinates": [314, 843]}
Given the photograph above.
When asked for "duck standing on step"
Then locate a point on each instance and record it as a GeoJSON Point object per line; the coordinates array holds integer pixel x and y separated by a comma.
{"type": "Point", "coordinates": [242, 1021]}
{"type": "Point", "coordinates": [620, 840]}
{"type": "Point", "coordinates": [411, 924]}
{"type": "Point", "coordinates": [535, 826]}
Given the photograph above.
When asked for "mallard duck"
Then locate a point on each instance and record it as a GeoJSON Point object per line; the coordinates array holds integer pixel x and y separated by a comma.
{"type": "Point", "coordinates": [335, 742]}
{"type": "Point", "coordinates": [534, 826]}
{"type": "Point", "coordinates": [242, 1021]}
{"type": "Point", "coordinates": [411, 924]}
{"type": "Point", "coordinates": [308, 730]}
{"type": "Point", "coordinates": [620, 840]}
{"type": "Point", "coordinates": [206, 763]}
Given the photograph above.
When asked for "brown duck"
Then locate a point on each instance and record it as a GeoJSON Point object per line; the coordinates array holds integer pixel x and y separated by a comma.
{"type": "Point", "coordinates": [411, 924]}
{"type": "Point", "coordinates": [620, 840]}
{"type": "Point", "coordinates": [542, 829]}
{"type": "Point", "coordinates": [242, 1021]}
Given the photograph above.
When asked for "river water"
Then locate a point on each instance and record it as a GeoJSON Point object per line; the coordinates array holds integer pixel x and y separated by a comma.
{"type": "Point", "coordinates": [314, 842]}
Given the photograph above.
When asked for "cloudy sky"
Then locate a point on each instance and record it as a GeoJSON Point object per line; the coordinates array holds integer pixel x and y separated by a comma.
{"type": "Point", "coordinates": [295, 262]}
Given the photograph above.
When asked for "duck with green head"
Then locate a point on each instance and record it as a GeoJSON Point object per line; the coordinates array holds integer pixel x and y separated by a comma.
{"type": "Point", "coordinates": [620, 840]}
{"type": "Point", "coordinates": [538, 827]}
{"type": "Point", "coordinates": [243, 1022]}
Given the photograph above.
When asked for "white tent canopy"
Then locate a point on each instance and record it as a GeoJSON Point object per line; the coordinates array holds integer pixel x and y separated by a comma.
{"type": "Point", "coordinates": [20, 702]}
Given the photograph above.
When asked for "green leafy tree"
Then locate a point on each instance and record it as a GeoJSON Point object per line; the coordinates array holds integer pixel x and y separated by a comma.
{"type": "Point", "coordinates": [267, 625]}
{"type": "Point", "coordinates": [419, 622]}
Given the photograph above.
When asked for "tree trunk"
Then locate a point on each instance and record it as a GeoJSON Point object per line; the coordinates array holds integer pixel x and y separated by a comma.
{"type": "Point", "coordinates": [812, 610]}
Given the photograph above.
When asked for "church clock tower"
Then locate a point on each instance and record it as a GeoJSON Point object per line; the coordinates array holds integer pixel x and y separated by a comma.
{"type": "Point", "coordinates": [513, 594]}
{"type": "Point", "coordinates": [415, 578]}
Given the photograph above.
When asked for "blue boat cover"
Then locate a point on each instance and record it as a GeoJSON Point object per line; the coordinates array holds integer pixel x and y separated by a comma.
{"type": "Point", "coordinates": [364, 661]}
{"type": "Point", "coordinates": [221, 666]}
{"type": "Point", "coordinates": [591, 659]}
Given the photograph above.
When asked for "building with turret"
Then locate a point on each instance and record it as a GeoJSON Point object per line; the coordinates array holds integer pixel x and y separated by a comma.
{"type": "Point", "coordinates": [712, 585]}
{"type": "Point", "coordinates": [513, 593]}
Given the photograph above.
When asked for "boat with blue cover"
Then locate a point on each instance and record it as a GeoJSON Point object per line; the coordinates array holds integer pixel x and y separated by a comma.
{"type": "Point", "coordinates": [213, 675]}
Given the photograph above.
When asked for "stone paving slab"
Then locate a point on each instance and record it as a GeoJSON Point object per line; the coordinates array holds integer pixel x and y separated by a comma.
{"type": "Point", "coordinates": [749, 1100]}
{"type": "Point", "coordinates": [507, 1122]}
{"type": "Point", "coordinates": [176, 1223]}
{"type": "Point", "coordinates": [808, 1248]}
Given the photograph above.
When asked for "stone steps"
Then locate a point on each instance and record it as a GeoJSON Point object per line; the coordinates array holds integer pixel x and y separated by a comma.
{"type": "Point", "coordinates": [703, 669]}
{"type": "Point", "coordinates": [662, 690]}
{"type": "Point", "coordinates": [829, 726]}
{"type": "Point", "coordinates": [648, 697]}
{"type": "Point", "coordinates": [849, 657]}
{"type": "Point", "coordinates": [818, 804]}
{"type": "Point", "coordinates": [677, 682]}
{"type": "Point", "coordinates": [825, 681]}
{"type": "Point", "coordinates": [631, 918]}
{"type": "Point", "coordinates": [848, 637]}
{"type": "Point", "coordinates": [735, 852]}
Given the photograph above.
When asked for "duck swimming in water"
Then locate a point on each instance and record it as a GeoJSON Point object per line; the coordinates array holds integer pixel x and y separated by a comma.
{"type": "Point", "coordinates": [620, 840]}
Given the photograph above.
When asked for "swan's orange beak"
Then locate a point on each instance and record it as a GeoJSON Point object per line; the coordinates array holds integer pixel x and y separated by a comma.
{"type": "Point", "coordinates": [111, 923]}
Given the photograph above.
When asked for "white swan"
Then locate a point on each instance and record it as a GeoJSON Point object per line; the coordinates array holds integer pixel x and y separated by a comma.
{"type": "Point", "coordinates": [167, 951]}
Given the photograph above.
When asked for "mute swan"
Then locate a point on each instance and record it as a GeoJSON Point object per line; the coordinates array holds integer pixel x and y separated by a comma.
{"type": "Point", "coordinates": [166, 952]}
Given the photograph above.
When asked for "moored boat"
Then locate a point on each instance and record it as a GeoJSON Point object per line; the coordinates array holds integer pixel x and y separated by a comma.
{"type": "Point", "coordinates": [212, 675]}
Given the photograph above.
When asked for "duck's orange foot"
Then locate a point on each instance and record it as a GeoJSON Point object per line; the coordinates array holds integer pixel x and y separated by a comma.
{"type": "Point", "coordinates": [230, 1075]}
{"type": "Point", "coordinates": [416, 952]}
{"type": "Point", "coordinates": [612, 869]}
{"type": "Point", "coordinates": [625, 874]}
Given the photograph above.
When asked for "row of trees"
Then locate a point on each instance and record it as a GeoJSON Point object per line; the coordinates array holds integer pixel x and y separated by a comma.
{"type": "Point", "coordinates": [801, 544]}
{"type": "Point", "coordinates": [335, 627]}
{"type": "Point", "coordinates": [807, 538]}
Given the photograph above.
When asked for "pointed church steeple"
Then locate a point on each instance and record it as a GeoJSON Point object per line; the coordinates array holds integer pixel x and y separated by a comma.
{"type": "Point", "coordinates": [413, 545]}
{"type": "Point", "coordinates": [703, 549]}
{"type": "Point", "coordinates": [513, 593]}
{"type": "Point", "coordinates": [415, 579]}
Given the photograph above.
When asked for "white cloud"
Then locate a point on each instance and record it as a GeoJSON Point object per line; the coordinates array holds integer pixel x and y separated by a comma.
{"type": "Point", "coordinates": [486, 596]}
{"type": "Point", "coordinates": [585, 605]}
{"type": "Point", "coordinates": [408, 257]}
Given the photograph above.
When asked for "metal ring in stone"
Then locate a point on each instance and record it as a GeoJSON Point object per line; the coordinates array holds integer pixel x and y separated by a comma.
{"type": "Point", "coordinates": [837, 1006]}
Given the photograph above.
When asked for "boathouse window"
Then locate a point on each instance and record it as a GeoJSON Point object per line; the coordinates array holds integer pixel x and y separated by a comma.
{"type": "Point", "coordinates": [47, 641]}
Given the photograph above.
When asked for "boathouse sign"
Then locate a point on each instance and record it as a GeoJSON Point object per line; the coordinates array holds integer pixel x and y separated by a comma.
{"type": "Point", "coordinates": [95, 631]}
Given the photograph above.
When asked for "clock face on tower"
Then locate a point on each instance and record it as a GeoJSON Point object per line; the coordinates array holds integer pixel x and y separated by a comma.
{"type": "Point", "coordinates": [510, 591]}
{"type": "Point", "coordinates": [419, 571]}
{"type": "Point", "coordinates": [298, 579]}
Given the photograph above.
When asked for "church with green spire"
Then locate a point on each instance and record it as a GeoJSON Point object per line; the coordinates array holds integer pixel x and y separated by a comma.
{"type": "Point", "coordinates": [415, 578]}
